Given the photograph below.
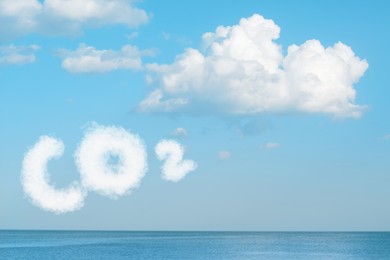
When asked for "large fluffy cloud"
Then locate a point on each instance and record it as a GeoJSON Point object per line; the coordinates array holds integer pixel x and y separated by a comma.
{"type": "Point", "coordinates": [87, 59]}
{"type": "Point", "coordinates": [17, 55]}
{"type": "Point", "coordinates": [19, 17]}
{"type": "Point", "coordinates": [241, 70]}
{"type": "Point", "coordinates": [35, 179]}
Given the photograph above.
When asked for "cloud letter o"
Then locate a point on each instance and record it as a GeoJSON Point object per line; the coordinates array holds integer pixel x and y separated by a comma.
{"type": "Point", "coordinates": [92, 159]}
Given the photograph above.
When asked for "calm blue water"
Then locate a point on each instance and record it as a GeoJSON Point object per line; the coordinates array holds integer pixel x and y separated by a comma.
{"type": "Point", "coordinates": [192, 245]}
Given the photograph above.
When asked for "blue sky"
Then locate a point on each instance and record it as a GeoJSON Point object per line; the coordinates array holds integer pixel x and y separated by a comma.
{"type": "Point", "coordinates": [294, 139]}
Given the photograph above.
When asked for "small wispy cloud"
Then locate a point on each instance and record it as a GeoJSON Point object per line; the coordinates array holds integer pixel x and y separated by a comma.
{"type": "Point", "coordinates": [93, 155]}
{"type": "Point", "coordinates": [87, 59]}
{"type": "Point", "coordinates": [224, 155]}
{"type": "Point", "coordinates": [132, 35]}
{"type": "Point", "coordinates": [35, 179]}
{"type": "Point", "coordinates": [386, 137]}
{"type": "Point", "coordinates": [17, 55]}
{"type": "Point", "coordinates": [174, 168]}
{"type": "Point", "coordinates": [156, 100]}
{"type": "Point", "coordinates": [180, 39]}
{"type": "Point", "coordinates": [254, 126]}
{"type": "Point", "coordinates": [271, 145]}
{"type": "Point", "coordinates": [180, 132]}
{"type": "Point", "coordinates": [166, 36]}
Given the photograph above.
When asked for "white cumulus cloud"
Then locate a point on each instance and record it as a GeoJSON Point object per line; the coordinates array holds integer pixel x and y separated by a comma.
{"type": "Point", "coordinates": [17, 55]}
{"type": "Point", "coordinates": [87, 59]}
{"type": "Point", "coordinates": [35, 179]}
{"type": "Point", "coordinates": [241, 70]}
{"type": "Point", "coordinates": [93, 160]}
{"type": "Point", "coordinates": [21, 17]}
{"type": "Point", "coordinates": [174, 167]}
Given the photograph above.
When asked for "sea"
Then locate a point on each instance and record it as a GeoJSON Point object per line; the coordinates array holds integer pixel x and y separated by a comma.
{"type": "Point", "coordinates": [193, 245]}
